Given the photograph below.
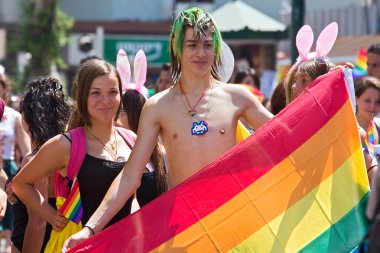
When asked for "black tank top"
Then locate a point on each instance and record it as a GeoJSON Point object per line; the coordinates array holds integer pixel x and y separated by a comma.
{"type": "Point", "coordinates": [95, 178]}
{"type": "Point", "coordinates": [148, 189]}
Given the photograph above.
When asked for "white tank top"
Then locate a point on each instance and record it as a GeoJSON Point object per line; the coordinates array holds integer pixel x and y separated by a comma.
{"type": "Point", "coordinates": [8, 133]}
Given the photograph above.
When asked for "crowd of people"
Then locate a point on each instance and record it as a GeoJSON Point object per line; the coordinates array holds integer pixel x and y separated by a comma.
{"type": "Point", "coordinates": [180, 130]}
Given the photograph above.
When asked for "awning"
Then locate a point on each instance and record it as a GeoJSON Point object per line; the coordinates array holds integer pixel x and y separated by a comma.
{"type": "Point", "coordinates": [238, 20]}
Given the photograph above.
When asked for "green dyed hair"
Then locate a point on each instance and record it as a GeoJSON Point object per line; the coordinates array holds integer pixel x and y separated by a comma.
{"type": "Point", "coordinates": [201, 22]}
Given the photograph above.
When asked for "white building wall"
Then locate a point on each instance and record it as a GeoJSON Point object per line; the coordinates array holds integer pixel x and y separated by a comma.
{"type": "Point", "coordinates": [111, 10]}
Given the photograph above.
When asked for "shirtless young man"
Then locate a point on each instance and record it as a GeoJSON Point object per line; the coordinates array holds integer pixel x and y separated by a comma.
{"type": "Point", "coordinates": [196, 118]}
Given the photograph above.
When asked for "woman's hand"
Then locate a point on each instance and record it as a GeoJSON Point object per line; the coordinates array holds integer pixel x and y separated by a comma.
{"type": "Point", "coordinates": [3, 203]}
{"type": "Point", "coordinates": [345, 65]}
{"type": "Point", "coordinates": [58, 221]}
{"type": "Point", "coordinates": [77, 238]}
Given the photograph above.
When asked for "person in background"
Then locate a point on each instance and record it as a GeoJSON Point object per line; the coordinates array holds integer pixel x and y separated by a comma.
{"type": "Point", "coordinates": [3, 194]}
{"type": "Point", "coordinates": [12, 134]}
{"type": "Point", "coordinates": [129, 118]}
{"type": "Point", "coordinates": [163, 81]}
{"type": "Point", "coordinates": [289, 80]}
{"type": "Point", "coordinates": [373, 60]}
{"type": "Point", "coordinates": [306, 73]}
{"type": "Point", "coordinates": [45, 113]}
{"type": "Point", "coordinates": [249, 77]}
{"type": "Point", "coordinates": [367, 95]}
{"type": "Point", "coordinates": [278, 99]}
{"type": "Point", "coordinates": [3, 175]}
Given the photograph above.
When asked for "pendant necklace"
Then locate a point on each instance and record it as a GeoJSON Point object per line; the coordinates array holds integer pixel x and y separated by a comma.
{"type": "Point", "coordinates": [113, 146]}
{"type": "Point", "coordinates": [192, 112]}
{"type": "Point", "coordinates": [199, 127]}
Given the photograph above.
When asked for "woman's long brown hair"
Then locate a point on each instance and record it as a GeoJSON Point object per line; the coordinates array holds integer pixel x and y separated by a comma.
{"type": "Point", "coordinates": [133, 102]}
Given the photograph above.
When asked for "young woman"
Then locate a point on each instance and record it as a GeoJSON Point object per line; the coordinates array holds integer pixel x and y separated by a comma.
{"type": "Point", "coordinates": [45, 113]}
{"type": "Point", "coordinates": [306, 73]}
{"type": "Point", "coordinates": [12, 135]}
{"type": "Point", "coordinates": [97, 108]}
{"type": "Point", "coordinates": [367, 93]}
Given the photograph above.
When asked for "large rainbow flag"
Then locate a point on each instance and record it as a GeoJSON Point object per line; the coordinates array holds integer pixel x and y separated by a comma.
{"type": "Point", "coordinates": [298, 184]}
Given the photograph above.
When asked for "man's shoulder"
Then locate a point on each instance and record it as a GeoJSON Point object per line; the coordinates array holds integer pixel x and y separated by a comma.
{"type": "Point", "coordinates": [161, 98]}
{"type": "Point", "coordinates": [163, 95]}
{"type": "Point", "coordinates": [231, 88]}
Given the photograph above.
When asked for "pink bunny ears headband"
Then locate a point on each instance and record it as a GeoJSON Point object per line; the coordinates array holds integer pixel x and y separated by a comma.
{"type": "Point", "coordinates": [325, 41]}
{"type": "Point", "coordinates": [140, 68]}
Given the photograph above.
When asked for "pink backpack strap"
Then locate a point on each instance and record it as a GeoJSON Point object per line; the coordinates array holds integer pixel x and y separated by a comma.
{"type": "Point", "coordinates": [77, 151]}
{"type": "Point", "coordinates": [77, 154]}
{"type": "Point", "coordinates": [128, 137]}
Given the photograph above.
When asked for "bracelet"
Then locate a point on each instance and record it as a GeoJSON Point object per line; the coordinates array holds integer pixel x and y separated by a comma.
{"type": "Point", "coordinates": [92, 231]}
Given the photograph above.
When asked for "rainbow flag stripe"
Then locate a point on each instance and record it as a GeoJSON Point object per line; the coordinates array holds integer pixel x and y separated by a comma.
{"type": "Point", "coordinates": [298, 184]}
{"type": "Point", "coordinates": [72, 207]}
{"type": "Point", "coordinates": [360, 67]}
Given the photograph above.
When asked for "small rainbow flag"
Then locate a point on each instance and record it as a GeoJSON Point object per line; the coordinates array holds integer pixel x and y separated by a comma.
{"type": "Point", "coordinates": [369, 142]}
{"type": "Point", "coordinates": [360, 67]}
{"type": "Point", "coordinates": [298, 184]}
{"type": "Point", "coordinates": [72, 207]}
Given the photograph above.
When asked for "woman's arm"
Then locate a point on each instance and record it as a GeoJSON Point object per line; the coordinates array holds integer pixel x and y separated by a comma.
{"type": "Point", "coordinates": [3, 195]}
{"type": "Point", "coordinates": [53, 155]}
{"type": "Point", "coordinates": [22, 138]}
{"type": "Point", "coordinates": [35, 229]}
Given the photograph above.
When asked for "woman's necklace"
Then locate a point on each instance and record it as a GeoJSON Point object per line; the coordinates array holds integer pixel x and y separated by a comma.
{"type": "Point", "coordinates": [199, 127]}
{"type": "Point", "coordinates": [113, 146]}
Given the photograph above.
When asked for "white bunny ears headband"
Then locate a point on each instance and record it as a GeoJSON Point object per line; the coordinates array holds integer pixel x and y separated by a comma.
{"type": "Point", "coordinates": [140, 69]}
{"type": "Point", "coordinates": [325, 41]}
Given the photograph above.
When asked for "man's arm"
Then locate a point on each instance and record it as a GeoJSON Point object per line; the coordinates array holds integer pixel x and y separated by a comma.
{"type": "Point", "coordinates": [126, 183]}
{"type": "Point", "coordinates": [253, 111]}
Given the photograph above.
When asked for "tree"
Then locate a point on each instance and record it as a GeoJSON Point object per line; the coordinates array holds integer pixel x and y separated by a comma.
{"type": "Point", "coordinates": [44, 31]}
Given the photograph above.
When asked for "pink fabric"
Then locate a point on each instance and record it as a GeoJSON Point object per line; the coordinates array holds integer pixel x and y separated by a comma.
{"type": "Point", "coordinates": [2, 106]}
{"type": "Point", "coordinates": [127, 135]}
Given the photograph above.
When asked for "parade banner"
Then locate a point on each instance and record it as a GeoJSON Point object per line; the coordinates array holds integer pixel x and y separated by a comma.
{"type": "Point", "coordinates": [298, 184]}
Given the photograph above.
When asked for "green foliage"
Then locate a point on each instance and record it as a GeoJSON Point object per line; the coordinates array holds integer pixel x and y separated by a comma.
{"type": "Point", "coordinates": [43, 32]}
